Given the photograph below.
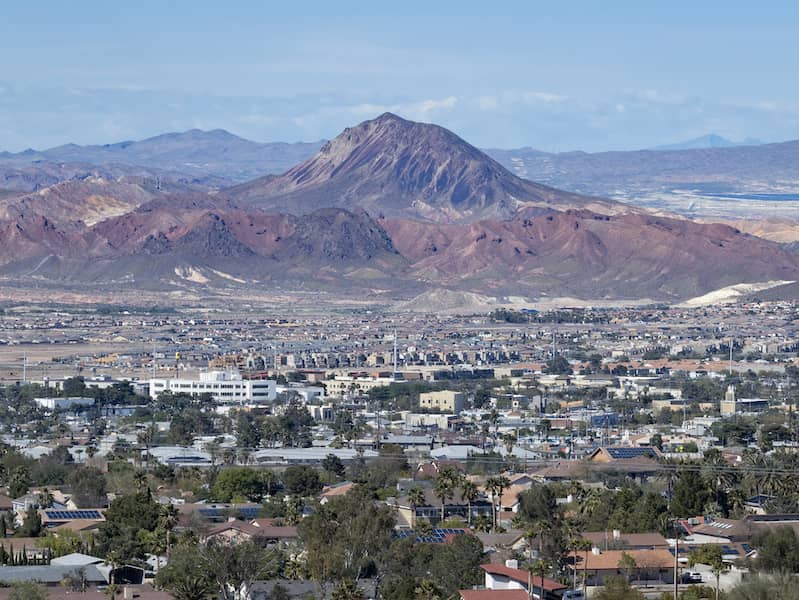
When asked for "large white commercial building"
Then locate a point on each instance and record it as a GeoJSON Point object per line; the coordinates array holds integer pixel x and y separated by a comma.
{"type": "Point", "coordinates": [227, 387]}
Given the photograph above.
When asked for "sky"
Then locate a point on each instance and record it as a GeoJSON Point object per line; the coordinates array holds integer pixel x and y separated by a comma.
{"type": "Point", "coordinates": [557, 76]}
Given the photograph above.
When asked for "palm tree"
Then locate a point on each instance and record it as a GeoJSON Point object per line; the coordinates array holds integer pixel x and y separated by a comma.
{"type": "Point", "coordinates": [469, 493]}
{"type": "Point", "coordinates": [113, 558]}
{"type": "Point", "coordinates": [416, 498]}
{"type": "Point", "coordinates": [443, 488]}
{"type": "Point", "coordinates": [46, 498]}
{"type": "Point", "coordinates": [213, 448]}
{"type": "Point", "coordinates": [483, 523]}
{"type": "Point", "coordinates": [537, 530]}
{"type": "Point", "coordinates": [484, 431]}
{"type": "Point", "coordinates": [140, 479]}
{"type": "Point", "coordinates": [502, 484]}
{"type": "Point", "coordinates": [492, 485]}
{"type": "Point", "coordinates": [509, 440]}
{"type": "Point", "coordinates": [167, 520]}
{"type": "Point", "coordinates": [426, 590]}
{"type": "Point", "coordinates": [590, 501]}
{"type": "Point", "coordinates": [539, 567]}
{"type": "Point", "coordinates": [585, 546]}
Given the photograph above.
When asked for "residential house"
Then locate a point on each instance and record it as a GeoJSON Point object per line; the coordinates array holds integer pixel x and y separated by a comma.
{"type": "Point", "coordinates": [430, 509]}
{"type": "Point", "coordinates": [651, 565]}
{"type": "Point", "coordinates": [237, 531]}
{"type": "Point", "coordinates": [616, 540]}
{"type": "Point", "coordinates": [510, 577]}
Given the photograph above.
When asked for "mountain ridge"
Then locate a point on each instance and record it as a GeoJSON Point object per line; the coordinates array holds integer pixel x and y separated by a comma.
{"type": "Point", "coordinates": [392, 166]}
{"type": "Point", "coordinates": [389, 207]}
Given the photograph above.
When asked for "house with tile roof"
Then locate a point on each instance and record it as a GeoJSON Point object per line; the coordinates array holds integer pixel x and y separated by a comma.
{"type": "Point", "coordinates": [651, 565]}
{"type": "Point", "coordinates": [509, 578]}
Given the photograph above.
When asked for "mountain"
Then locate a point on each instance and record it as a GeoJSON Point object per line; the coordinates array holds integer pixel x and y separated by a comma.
{"type": "Point", "coordinates": [217, 156]}
{"type": "Point", "coordinates": [90, 200]}
{"type": "Point", "coordinates": [393, 167]}
{"type": "Point", "coordinates": [710, 140]}
{"type": "Point", "coordinates": [389, 209]}
{"type": "Point", "coordinates": [167, 246]}
{"type": "Point", "coordinates": [701, 182]}
{"type": "Point", "coordinates": [582, 254]}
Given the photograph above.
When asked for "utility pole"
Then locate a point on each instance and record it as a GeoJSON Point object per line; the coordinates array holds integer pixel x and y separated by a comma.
{"type": "Point", "coordinates": [676, 564]}
{"type": "Point", "coordinates": [395, 355]}
{"type": "Point", "coordinates": [731, 345]}
{"type": "Point", "coordinates": [675, 524]}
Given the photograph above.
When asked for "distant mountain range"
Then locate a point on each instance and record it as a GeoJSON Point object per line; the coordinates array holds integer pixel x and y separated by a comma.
{"type": "Point", "coordinates": [217, 159]}
{"type": "Point", "coordinates": [192, 158]}
{"type": "Point", "coordinates": [632, 175]}
{"type": "Point", "coordinates": [710, 140]}
{"type": "Point", "coordinates": [388, 209]}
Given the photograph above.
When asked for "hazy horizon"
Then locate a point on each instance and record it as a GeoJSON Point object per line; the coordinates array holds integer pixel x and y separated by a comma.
{"type": "Point", "coordinates": [576, 76]}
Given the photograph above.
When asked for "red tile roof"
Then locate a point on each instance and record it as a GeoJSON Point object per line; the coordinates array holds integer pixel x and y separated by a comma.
{"type": "Point", "coordinates": [522, 577]}
{"type": "Point", "coordinates": [494, 595]}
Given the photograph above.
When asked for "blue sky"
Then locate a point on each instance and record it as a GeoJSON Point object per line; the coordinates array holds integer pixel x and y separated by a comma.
{"type": "Point", "coordinates": [557, 76]}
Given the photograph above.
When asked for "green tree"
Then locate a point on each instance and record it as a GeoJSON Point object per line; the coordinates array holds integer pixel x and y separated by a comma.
{"type": "Point", "coordinates": [689, 495]}
{"type": "Point", "coordinates": [627, 565]}
{"type": "Point", "coordinates": [74, 387]}
{"type": "Point", "coordinates": [239, 482]}
{"type": "Point", "coordinates": [185, 576]}
{"type": "Point", "coordinates": [469, 493]}
{"type": "Point", "coordinates": [444, 486]}
{"type": "Point", "coordinates": [332, 465]}
{"type": "Point", "coordinates": [19, 482]}
{"type": "Point", "coordinates": [347, 537]}
{"type": "Point", "coordinates": [125, 519]}
{"type": "Point", "coordinates": [777, 550]}
{"type": "Point", "coordinates": [301, 480]}
{"type": "Point", "coordinates": [88, 487]}
{"type": "Point", "coordinates": [247, 434]}
{"type": "Point", "coordinates": [538, 504]}
{"type": "Point", "coordinates": [416, 498]}
{"type": "Point", "coordinates": [31, 524]}
{"type": "Point", "coordinates": [711, 555]}
{"type": "Point", "coordinates": [347, 590]}
{"type": "Point", "coordinates": [776, 586]}
{"type": "Point", "coordinates": [617, 588]}
{"type": "Point", "coordinates": [558, 366]}
{"type": "Point", "coordinates": [27, 590]}
{"type": "Point", "coordinates": [234, 568]}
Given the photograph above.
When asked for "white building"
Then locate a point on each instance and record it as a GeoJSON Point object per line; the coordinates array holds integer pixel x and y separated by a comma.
{"type": "Point", "coordinates": [225, 386]}
{"type": "Point", "coordinates": [63, 403]}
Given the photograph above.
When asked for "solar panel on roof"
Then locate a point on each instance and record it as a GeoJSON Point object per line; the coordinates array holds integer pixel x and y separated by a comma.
{"type": "Point", "coordinates": [69, 515]}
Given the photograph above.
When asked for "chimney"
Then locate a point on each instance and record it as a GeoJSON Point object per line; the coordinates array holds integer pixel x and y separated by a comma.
{"type": "Point", "coordinates": [616, 534]}
{"type": "Point", "coordinates": [596, 551]}
{"type": "Point", "coordinates": [512, 563]}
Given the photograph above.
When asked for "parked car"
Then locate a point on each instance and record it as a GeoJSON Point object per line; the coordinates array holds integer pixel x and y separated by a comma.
{"type": "Point", "coordinates": [692, 577]}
